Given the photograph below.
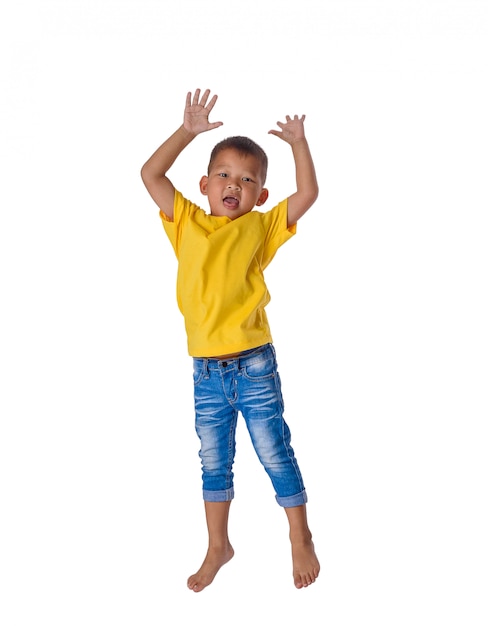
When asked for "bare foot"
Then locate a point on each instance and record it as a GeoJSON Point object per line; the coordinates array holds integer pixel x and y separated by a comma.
{"type": "Point", "coordinates": [216, 557]}
{"type": "Point", "coordinates": [306, 566]}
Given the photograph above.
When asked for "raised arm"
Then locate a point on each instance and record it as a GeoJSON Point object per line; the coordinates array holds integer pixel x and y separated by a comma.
{"type": "Point", "coordinates": [154, 171]}
{"type": "Point", "coordinates": [293, 132]}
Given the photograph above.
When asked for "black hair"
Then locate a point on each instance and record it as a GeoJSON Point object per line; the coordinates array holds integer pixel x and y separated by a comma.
{"type": "Point", "coordinates": [244, 146]}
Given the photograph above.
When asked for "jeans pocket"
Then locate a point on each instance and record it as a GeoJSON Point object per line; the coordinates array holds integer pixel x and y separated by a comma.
{"type": "Point", "coordinates": [260, 369]}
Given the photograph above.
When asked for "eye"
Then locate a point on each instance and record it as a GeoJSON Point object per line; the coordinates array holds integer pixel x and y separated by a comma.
{"type": "Point", "coordinates": [223, 175]}
{"type": "Point", "coordinates": [246, 179]}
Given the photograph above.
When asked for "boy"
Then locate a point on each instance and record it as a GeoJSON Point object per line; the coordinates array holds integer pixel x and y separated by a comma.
{"type": "Point", "coordinates": [222, 294]}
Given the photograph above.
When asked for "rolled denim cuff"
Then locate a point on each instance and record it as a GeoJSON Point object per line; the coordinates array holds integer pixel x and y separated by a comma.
{"type": "Point", "coordinates": [297, 500]}
{"type": "Point", "coordinates": [223, 495]}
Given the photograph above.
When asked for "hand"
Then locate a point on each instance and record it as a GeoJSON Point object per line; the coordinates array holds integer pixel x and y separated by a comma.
{"type": "Point", "coordinates": [197, 112]}
{"type": "Point", "coordinates": [292, 130]}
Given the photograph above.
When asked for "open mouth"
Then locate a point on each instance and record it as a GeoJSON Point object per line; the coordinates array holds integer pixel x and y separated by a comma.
{"type": "Point", "coordinates": [230, 202]}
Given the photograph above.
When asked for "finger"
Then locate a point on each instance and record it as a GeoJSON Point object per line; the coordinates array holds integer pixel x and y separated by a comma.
{"type": "Point", "coordinates": [204, 99]}
{"type": "Point", "coordinates": [212, 102]}
{"type": "Point", "coordinates": [188, 99]}
{"type": "Point", "coordinates": [196, 96]}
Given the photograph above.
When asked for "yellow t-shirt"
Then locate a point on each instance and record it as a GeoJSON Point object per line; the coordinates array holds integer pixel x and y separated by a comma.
{"type": "Point", "coordinates": [220, 284]}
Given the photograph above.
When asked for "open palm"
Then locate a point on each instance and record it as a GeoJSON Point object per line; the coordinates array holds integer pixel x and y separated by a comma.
{"type": "Point", "coordinates": [197, 111]}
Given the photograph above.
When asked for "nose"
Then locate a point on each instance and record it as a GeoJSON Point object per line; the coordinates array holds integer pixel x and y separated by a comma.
{"type": "Point", "coordinates": [233, 184]}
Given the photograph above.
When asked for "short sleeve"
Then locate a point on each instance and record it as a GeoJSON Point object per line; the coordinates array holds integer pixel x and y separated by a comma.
{"type": "Point", "coordinates": [182, 210]}
{"type": "Point", "coordinates": [277, 230]}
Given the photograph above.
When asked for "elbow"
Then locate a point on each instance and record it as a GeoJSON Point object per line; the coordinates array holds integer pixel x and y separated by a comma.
{"type": "Point", "coordinates": [315, 194]}
{"type": "Point", "coordinates": [144, 173]}
{"type": "Point", "coordinates": [312, 195]}
{"type": "Point", "coordinates": [147, 175]}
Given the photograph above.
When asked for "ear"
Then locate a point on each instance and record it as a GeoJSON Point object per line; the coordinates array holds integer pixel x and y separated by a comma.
{"type": "Point", "coordinates": [203, 185]}
{"type": "Point", "coordinates": [263, 196]}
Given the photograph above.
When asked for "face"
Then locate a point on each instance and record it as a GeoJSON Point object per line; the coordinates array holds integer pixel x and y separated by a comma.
{"type": "Point", "coordinates": [234, 185]}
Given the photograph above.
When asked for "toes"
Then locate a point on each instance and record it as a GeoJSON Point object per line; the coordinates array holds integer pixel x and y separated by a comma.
{"type": "Point", "coordinates": [304, 581]}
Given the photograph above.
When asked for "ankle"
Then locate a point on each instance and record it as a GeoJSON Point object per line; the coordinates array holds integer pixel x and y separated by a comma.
{"type": "Point", "coordinates": [219, 545]}
{"type": "Point", "coordinates": [300, 537]}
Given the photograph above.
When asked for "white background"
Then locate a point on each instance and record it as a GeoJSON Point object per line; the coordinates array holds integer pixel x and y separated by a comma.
{"type": "Point", "coordinates": [378, 314]}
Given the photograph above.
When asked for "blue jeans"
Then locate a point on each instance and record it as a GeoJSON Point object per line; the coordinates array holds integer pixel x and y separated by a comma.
{"type": "Point", "coordinates": [249, 384]}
